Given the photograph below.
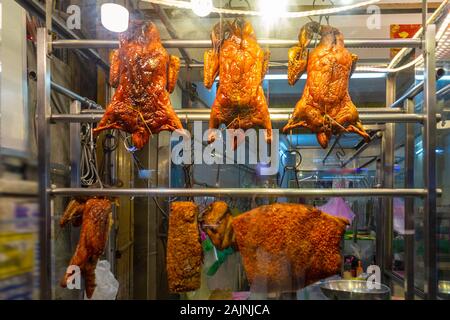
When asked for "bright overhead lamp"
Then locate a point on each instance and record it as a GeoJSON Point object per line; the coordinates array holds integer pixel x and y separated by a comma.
{"type": "Point", "coordinates": [202, 8]}
{"type": "Point", "coordinates": [272, 10]}
{"type": "Point", "coordinates": [114, 17]}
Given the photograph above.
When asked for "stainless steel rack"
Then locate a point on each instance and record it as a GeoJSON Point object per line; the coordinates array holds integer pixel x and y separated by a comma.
{"type": "Point", "coordinates": [271, 43]}
{"type": "Point", "coordinates": [239, 192]}
{"type": "Point", "coordinates": [45, 118]}
{"type": "Point", "coordinates": [275, 117]}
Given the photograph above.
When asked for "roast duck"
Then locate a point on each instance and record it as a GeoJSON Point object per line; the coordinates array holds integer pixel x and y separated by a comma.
{"type": "Point", "coordinates": [325, 107]}
{"type": "Point", "coordinates": [241, 65]}
{"type": "Point", "coordinates": [144, 75]}
{"type": "Point", "coordinates": [94, 215]}
{"type": "Point", "coordinates": [283, 246]}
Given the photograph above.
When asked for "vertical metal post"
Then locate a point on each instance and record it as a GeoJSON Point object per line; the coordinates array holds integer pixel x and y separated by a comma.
{"type": "Point", "coordinates": [145, 262]}
{"type": "Point", "coordinates": [43, 114]}
{"type": "Point", "coordinates": [388, 143]}
{"type": "Point", "coordinates": [75, 157]}
{"type": "Point", "coordinates": [164, 176]}
{"type": "Point", "coordinates": [429, 147]}
{"type": "Point", "coordinates": [48, 15]}
{"type": "Point", "coordinates": [49, 21]}
{"type": "Point", "coordinates": [112, 169]}
{"type": "Point", "coordinates": [75, 146]}
{"type": "Point", "coordinates": [424, 16]}
{"type": "Point", "coordinates": [409, 206]}
{"type": "Point", "coordinates": [379, 256]}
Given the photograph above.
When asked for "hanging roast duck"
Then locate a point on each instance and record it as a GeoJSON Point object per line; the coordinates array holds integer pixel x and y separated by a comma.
{"type": "Point", "coordinates": [325, 107]}
{"type": "Point", "coordinates": [241, 64]}
{"type": "Point", "coordinates": [144, 75]}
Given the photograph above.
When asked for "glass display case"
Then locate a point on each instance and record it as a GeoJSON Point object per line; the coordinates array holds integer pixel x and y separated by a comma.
{"type": "Point", "coordinates": [242, 149]}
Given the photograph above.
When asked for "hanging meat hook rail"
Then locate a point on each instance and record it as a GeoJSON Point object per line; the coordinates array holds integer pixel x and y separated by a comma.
{"type": "Point", "coordinates": [365, 118]}
{"type": "Point", "coordinates": [273, 43]}
{"type": "Point", "coordinates": [239, 192]}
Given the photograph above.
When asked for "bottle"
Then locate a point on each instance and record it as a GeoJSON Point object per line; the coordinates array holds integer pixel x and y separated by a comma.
{"type": "Point", "coordinates": [347, 274]}
{"type": "Point", "coordinates": [359, 269]}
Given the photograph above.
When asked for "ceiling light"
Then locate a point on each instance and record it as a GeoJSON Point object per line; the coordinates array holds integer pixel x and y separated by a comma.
{"type": "Point", "coordinates": [272, 10]}
{"type": "Point", "coordinates": [114, 17]}
{"type": "Point", "coordinates": [202, 8]}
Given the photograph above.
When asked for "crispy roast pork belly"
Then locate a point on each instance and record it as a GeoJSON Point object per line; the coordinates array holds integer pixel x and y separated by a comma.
{"type": "Point", "coordinates": [283, 246]}
{"type": "Point", "coordinates": [184, 250]}
{"type": "Point", "coordinates": [288, 246]}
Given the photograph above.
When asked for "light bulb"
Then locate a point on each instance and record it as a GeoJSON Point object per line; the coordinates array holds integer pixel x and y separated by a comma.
{"type": "Point", "coordinates": [114, 17]}
{"type": "Point", "coordinates": [202, 7]}
{"type": "Point", "coordinates": [272, 10]}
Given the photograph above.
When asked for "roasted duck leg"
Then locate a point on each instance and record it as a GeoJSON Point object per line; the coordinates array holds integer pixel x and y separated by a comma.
{"type": "Point", "coordinates": [217, 221]}
{"type": "Point", "coordinates": [325, 107]}
{"type": "Point", "coordinates": [241, 64]}
{"type": "Point", "coordinates": [95, 216]}
{"type": "Point", "coordinates": [144, 74]}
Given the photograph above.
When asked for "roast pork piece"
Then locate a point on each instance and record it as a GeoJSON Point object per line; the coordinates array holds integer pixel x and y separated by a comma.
{"type": "Point", "coordinates": [283, 246]}
{"type": "Point", "coordinates": [184, 250]}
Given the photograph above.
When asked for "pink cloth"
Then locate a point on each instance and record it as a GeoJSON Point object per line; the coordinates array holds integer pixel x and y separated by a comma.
{"type": "Point", "coordinates": [241, 295]}
{"type": "Point", "coordinates": [399, 215]}
{"type": "Point", "coordinates": [339, 208]}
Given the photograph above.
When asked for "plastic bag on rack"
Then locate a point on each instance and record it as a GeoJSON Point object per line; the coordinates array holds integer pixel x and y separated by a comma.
{"type": "Point", "coordinates": [339, 208]}
{"type": "Point", "coordinates": [107, 285]}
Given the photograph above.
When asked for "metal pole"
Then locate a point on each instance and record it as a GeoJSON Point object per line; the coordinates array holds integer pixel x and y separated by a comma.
{"type": "Point", "coordinates": [330, 150]}
{"type": "Point", "coordinates": [361, 149]}
{"type": "Point", "coordinates": [429, 142]}
{"type": "Point", "coordinates": [272, 43]}
{"type": "Point", "coordinates": [424, 17]}
{"type": "Point", "coordinates": [239, 192]}
{"type": "Point", "coordinates": [409, 206]}
{"type": "Point", "coordinates": [75, 147]}
{"type": "Point", "coordinates": [60, 27]}
{"type": "Point", "coordinates": [48, 15]}
{"type": "Point", "coordinates": [379, 218]}
{"type": "Point", "coordinates": [415, 90]}
{"type": "Point", "coordinates": [43, 139]}
{"type": "Point", "coordinates": [183, 111]}
{"type": "Point", "coordinates": [365, 118]}
{"type": "Point", "coordinates": [75, 157]}
{"type": "Point", "coordinates": [87, 102]}
{"type": "Point", "coordinates": [164, 177]}
{"type": "Point", "coordinates": [388, 141]}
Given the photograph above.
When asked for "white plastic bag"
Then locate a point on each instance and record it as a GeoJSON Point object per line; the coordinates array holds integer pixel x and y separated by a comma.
{"type": "Point", "coordinates": [106, 285]}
